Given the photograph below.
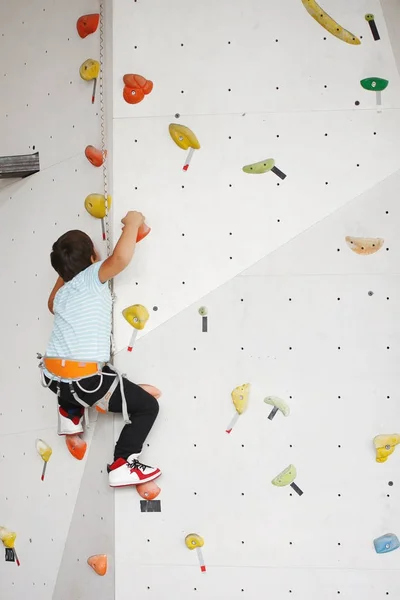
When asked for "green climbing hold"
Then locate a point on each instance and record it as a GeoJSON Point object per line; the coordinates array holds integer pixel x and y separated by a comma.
{"type": "Point", "coordinates": [286, 477]}
{"type": "Point", "coordinates": [374, 84]}
{"type": "Point", "coordinates": [203, 310]}
{"type": "Point", "coordinates": [369, 17]}
{"type": "Point", "coordinates": [260, 167]}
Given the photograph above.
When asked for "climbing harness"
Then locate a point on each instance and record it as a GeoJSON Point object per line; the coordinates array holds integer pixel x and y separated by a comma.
{"type": "Point", "coordinates": [76, 371]}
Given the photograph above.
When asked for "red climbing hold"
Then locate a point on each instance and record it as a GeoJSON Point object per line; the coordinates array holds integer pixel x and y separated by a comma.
{"type": "Point", "coordinates": [87, 24]}
{"type": "Point", "coordinates": [95, 156]}
{"type": "Point", "coordinates": [136, 88]}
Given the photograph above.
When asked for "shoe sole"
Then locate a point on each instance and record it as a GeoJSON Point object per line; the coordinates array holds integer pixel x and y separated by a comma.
{"type": "Point", "coordinates": [137, 483]}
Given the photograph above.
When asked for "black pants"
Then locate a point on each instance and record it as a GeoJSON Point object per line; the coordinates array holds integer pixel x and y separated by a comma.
{"type": "Point", "coordinates": [142, 408]}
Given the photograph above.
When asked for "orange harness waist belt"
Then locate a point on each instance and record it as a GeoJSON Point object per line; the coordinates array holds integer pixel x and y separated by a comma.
{"type": "Point", "coordinates": [74, 370]}
{"type": "Point", "coordinates": [71, 369]}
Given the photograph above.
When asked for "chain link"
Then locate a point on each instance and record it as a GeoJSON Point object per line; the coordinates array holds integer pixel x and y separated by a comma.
{"type": "Point", "coordinates": [103, 132]}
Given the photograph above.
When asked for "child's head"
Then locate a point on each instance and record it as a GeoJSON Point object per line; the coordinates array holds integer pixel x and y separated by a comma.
{"type": "Point", "coordinates": [72, 253]}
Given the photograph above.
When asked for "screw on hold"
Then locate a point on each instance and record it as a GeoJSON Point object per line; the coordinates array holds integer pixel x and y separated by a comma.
{"type": "Point", "coordinates": [386, 543]}
{"type": "Point", "coordinates": [385, 445]}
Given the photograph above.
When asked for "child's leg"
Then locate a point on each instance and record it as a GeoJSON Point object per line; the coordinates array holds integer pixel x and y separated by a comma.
{"type": "Point", "coordinates": [142, 409]}
{"type": "Point", "coordinates": [70, 413]}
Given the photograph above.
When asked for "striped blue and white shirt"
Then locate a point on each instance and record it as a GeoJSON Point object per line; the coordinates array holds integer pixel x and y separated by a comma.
{"type": "Point", "coordinates": [82, 319]}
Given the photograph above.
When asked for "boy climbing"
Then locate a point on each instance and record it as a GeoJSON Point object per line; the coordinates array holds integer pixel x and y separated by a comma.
{"type": "Point", "coordinates": [76, 363]}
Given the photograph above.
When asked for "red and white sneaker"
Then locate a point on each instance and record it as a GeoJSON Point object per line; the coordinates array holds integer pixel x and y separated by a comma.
{"type": "Point", "coordinates": [68, 425]}
{"type": "Point", "coordinates": [130, 472]}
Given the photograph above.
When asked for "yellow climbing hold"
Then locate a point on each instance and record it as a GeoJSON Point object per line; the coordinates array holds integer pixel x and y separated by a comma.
{"type": "Point", "coordinates": [137, 315]}
{"type": "Point", "coordinates": [90, 69]}
{"type": "Point", "coordinates": [7, 537]}
{"type": "Point", "coordinates": [183, 137]}
{"type": "Point", "coordinates": [240, 397]}
{"type": "Point", "coordinates": [318, 13]}
{"type": "Point", "coordinates": [95, 205]}
{"type": "Point", "coordinates": [385, 445]}
{"type": "Point", "coordinates": [193, 540]}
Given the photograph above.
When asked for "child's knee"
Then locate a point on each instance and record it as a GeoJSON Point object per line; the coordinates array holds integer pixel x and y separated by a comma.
{"type": "Point", "coordinates": [154, 406]}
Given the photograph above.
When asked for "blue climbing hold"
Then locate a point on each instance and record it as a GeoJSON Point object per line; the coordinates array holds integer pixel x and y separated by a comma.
{"type": "Point", "coordinates": [386, 543]}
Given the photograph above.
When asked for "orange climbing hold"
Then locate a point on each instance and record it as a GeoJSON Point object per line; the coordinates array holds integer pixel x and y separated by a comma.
{"type": "Point", "coordinates": [143, 231]}
{"type": "Point", "coordinates": [148, 490]}
{"type": "Point", "coordinates": [76, 445]}
{"type": "Point", "coordinates": [95, 156]}
{"type": "Point", "coordinates": [151, 389]}
{"type": "Point", "coordinates": [136, 88]}
{"type": "Point", "coordinates": [87, 24]}
{"type": "Point", "coordinates": [98, 562]}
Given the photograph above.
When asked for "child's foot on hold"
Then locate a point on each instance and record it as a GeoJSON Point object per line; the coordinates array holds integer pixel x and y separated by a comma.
{"type": "Point", "coordinates": [69, 424]}
{"type": "Point", "coordinates": [130, 472]}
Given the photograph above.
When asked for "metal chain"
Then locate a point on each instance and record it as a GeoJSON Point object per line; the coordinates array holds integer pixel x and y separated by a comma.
{"type": "Point", "coordinates": [105, 172]}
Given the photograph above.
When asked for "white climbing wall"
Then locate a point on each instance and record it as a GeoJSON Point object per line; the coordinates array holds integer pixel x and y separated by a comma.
{"type": "Point", "coordinates": [45, 107]}
{"type": "Point", "coordinates": [291, 309]}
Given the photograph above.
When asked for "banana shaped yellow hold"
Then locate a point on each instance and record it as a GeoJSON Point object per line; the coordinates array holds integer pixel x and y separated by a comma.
{"type": "Point", "coordinates": [329, 24]}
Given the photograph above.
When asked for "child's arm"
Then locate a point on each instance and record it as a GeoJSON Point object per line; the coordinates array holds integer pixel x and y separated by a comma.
{"type": "Point", "coordinates": [124, 249]}
{"type": "Point", "coordinates": [59, 284]}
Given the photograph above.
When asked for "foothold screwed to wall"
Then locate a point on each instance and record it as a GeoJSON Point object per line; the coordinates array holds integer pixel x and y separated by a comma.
{"type": "Point", "coordinates": [89, 71]}
{"type": "Point", "coordinates": [385, 445]}
{"type": "Point", "coordinates": [240, 399]}
{"type": "Point", "coordinates": [148, 490]}
{"type": "Point", "coordinates": [45, 452]}
{"type": "Point", "coordinates": [374, 30]}
{"type": "Point", "coordinates": [137, 316]}
{"type": "Point", "coordinates": [95, 156]}
{"type": "Point", "coordinates": [87, 24]}
{"type": "Point", "coordinates": [386, 543]}
{"type": "Point", "coordinates": [364, 246]}
{"type": "Point", "coordinates": [151, 389]}
{"type": "Point", "coordinates": [278, 404]}
{"type": "Point", "coordinates": [99, 563]}
{"type": "Point", "coordinates": [97, 206]}
{"type": "Point", "coordinates": [375, 84]}
{"type": "Point", "coordinates": [194, 541]}
{"type": "Point", "coordinates": [76, 446]}
{"type": "Point", "coordinates": [263, 167]}
{"type": "Point", "coordinates": [8, 538]}
{"type": "Point", "coordinates": [136, 88]}
{"type": "Point", "coordinates": [329, 24]}
{"type": "Point", "coordinates": [287, 477]}
{"type": "Point", "coordinates": [184, 138]}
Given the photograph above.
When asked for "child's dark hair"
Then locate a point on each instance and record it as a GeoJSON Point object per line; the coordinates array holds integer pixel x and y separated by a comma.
{"type": "Point", "coordinates": [72, 253]}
